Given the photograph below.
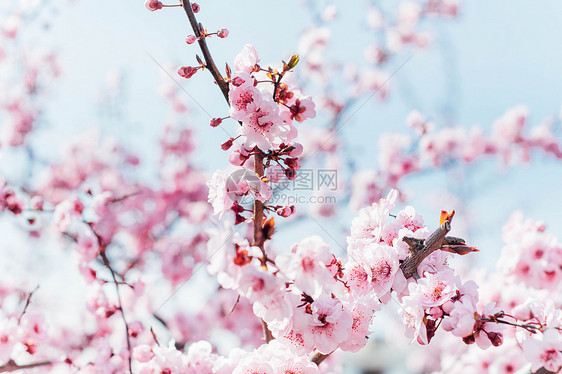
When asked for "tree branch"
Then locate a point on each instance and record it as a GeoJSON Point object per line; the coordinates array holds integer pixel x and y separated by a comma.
{"type": "Point", "coordinates": [419, 250]}
{"type": "Point", "coordinates": [258, 157]}
{"type": "Point", "coordinates": [210, 63]}
{"type": "Point", "coordinates": [120, 306]}
{"type": "Point", "coordinates": [11, 365]}
{"type": "Point", "coordinates": [318, 357]}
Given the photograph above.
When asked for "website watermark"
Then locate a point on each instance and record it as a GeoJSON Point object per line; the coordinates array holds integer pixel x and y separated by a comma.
{"type": "Point", "coordinates": [309, 186]}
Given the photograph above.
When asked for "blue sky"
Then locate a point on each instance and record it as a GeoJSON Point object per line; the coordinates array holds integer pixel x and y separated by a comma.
{"type": "Point", "coordinates": [496, 55]}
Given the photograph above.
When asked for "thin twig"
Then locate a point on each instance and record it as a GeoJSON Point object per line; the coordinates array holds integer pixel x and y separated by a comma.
{"type": "Point", "coordinates": [27, 301]}
{"type": "Point", "coordinates": [12, 366]}
{"type": "Point", "coordinates": [419, 252]}
{"type": "Point", "coordinates": [209, 62]}
{"type": "Point", "coordinates": [120, 306]}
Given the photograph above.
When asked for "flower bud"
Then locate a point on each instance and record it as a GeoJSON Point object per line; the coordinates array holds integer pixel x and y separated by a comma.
{"type": "Point", "coordinates": [195, 7]}
{"type": "Point", "coordinates": [190, 39]}
{"type": "Point", "coordinates": [291, 174]}
{"type": "Point", "coordinates": [187, 71]}
{"type": "Point", "coordinates": [297, 150]}
{"type": "Point", "coordinates": [293, 163]}
{"type": "Point", "coordinates": [285, 211]}
{"type": "Point", "coordinates": [226, 145]}
{"type": "Point", "coordinates": [215, 122]}
{"type": "Point", "coordinates": [222, 33]}
{"type": "Point", "coordinates": [153, 5]}
{"type": "Point", "coordinates": [496, 338]}
{"type": "Point", "coordinates": [237, 159]}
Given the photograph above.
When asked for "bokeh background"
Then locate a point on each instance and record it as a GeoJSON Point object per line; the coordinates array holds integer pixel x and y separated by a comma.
{"type": "Point", "coordinates": [117, 59]}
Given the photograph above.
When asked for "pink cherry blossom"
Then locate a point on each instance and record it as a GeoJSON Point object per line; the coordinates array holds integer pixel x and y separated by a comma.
{"type": "Point", "coordinates": [245, 100]}
{"type": "Point", "coordinates": [246, 59]}
{"type": "Point", "coordinates": [434, 289]}
{"type": "Point", "coordinates": [328, 324]}
{"type": "Point", "coordinates": [153, 5]}
{"type": "Point", "coordinates": [545, 352]}
{"type": "Point", "coordinates": [306, 265]}
{"type": "Point", "coordinates": [218, 195]}
{"type": "Point", "coordinates": [265, 129]}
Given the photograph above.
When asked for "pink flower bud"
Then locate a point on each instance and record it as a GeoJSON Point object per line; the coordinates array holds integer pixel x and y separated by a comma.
{"type": "Point", "coordinates": [215, 122]}
{"type": "Point", "coordinates": [522, 312]}
{"type": "Point", "coordinates": [142, 353]}
{"type": "Point", "coordinates": [293, 163]}
{"type": "Point", "coordinates": [435, 312]}
{"type": "Point", "coordinates": [285, 211]}
{"type": "Point", "coordinates": [496, 338]}
{"type": "Point", "coordinates": [187, 71]}
{"type": "Point", "coordinates": [291, 174]}
{"type": "Point", "coordinates": [448, 306]}
{"type": "Point", "coordinates": [222, 33]}
{"type": "Point", "coordinates": [237, 159]}
{"type": "Point", "coordinates": [195, 8]}
{"type": "Point", "coordinates": [226, 145]}
{"type": "Point", "coordinates": [237, 81]}
{"type": "Point", "coordinates": [190, 39]}
{"type": "Point", "coordinates": [297, 151]}
{"type": "Point", "coordinates": [153, 5]}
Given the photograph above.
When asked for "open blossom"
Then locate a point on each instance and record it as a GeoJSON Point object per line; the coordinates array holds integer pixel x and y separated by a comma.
{"type": "Point", "coordinates": [245, 99]}
{"type": "Point", "coordinates": [68, 212]}
{"type": "Point", "coordinates": [368, 226]}
{"type": "Point", "coordinates": [246, 59]}
{"type": "Point", "coordinates": [546, 352]}
{"type": "Point", "coordinates": [382, 261]}
{"type": "Point", "coordinates": [328, 324]}
{"type": "Point", "coordinates": [434, 289]}
{"type": "Point", "coordinates": [218, 196]}
{"type": "Point", "coordinates": [302, 109]}
{"type": "Point", "coordinates": [362, 312]}
{"type": "Point", "coordinates": [277, 357]}
{"type": "Point", "coordinates": [412, 317]}
{"type": "Point", "coordinates": [265, 128]}
{"type": "Point", "coordinates": [307, 264]}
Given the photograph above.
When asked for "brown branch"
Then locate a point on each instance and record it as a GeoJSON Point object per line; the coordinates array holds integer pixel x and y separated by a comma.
{"type": "Point", "coordinates": [258, 206]}
{"type": "Point", "coordinates": [318, 357]}
{"type": "Point", "coordinates": [258, 157]}
{"type": "Point", "coordinates": [120, 306]}
{"type": "Point", "coordinates": [258, 233]}
{"type": "Point", "coordinates": [11, 365]}
{"type": "Point", "coordinates": [267, 335]}
{"type": "Point", "coordinates": [27, 301]}
{"type": "Point", "coordinates": [419, 251]}
{"type": "Point", "coordinates": [209, 62]}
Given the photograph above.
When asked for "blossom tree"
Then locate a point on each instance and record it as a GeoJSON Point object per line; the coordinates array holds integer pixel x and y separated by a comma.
{"type": "Point", "coordinates": [289, 307]}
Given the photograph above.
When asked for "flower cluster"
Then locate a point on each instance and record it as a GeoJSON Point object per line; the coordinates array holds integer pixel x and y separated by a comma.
{"type": "Point", "coordinates": [266, 108]}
